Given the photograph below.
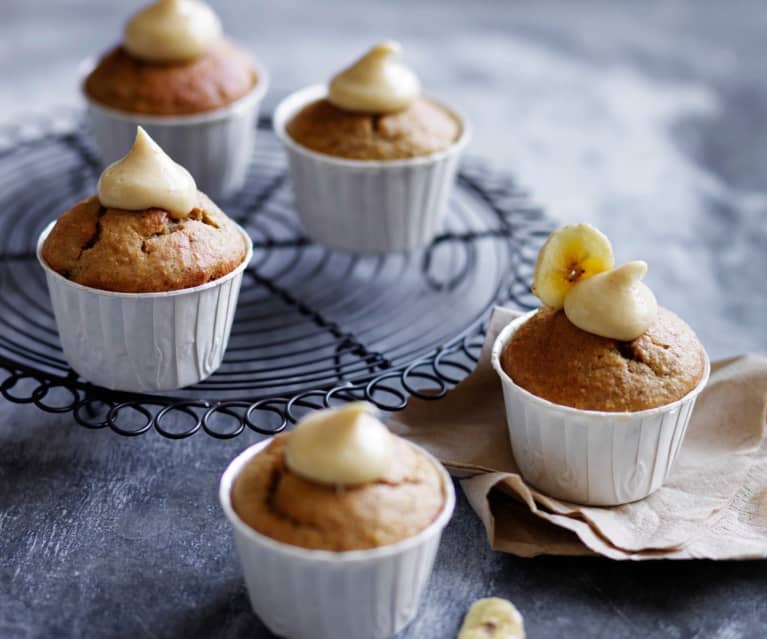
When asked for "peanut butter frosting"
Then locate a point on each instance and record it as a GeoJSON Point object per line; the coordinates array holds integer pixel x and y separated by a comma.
{"type": "Point", "coordinates": [614, 304]}
{"type": "Point", "coordinates": [342, 447]}
{"type": "Point", "coordinates": [376, 83]}
{"type": "Point", "coordinates": [172, 31]}
{"type": "Point", "coordinates": [146, 178]}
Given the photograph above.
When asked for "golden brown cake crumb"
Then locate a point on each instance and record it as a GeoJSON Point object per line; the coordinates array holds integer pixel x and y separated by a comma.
{"type": "Point", "coordinates": [421, 129]}
{"type": "Point", "coordinates": [210, 82]}
{"type": "Point", "coordinates": [553, 359]}
{"type": "Point", "coordinates": [143, 251]}
{"type": "Point", "coordinates": [280, 504]}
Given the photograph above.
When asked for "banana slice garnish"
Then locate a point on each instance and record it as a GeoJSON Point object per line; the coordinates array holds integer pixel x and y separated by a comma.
{"type": "Point", "coordinates": [492, 618]}
{"type": "Point", "coordinates": [570, 254]}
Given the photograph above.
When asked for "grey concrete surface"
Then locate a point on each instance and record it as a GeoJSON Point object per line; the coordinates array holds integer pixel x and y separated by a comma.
{"type": "Point", "coordinates": [646, 119]}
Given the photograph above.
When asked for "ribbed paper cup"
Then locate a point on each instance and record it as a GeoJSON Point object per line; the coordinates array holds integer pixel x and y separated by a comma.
{"type": "Point", "coordinates": [591, 457]}
{"type": "Point", "coordinates": [144, 342]}
{"type": "Point", "coordinates": [215, 147]}
{"type": "Point", "coordinates": [317, 594]}
{"type": "Point", "coordinates": [368, 206]}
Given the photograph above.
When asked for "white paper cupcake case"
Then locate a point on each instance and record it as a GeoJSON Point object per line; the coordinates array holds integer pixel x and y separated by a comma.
{"type": "Point", "coordinates": [144, 342]}
{"type": "Point", "coordinates": [368, 206]}
{"type": "Point", "coordinates": [591, 457]}
{"type": "Point", "coordinates": [311, 594]}
{"type": "Point", "coordinates": [215, 147]}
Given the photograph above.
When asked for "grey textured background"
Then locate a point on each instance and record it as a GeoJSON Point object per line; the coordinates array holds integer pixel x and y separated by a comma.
{"type": "Point", "coordinates": [646, 119]}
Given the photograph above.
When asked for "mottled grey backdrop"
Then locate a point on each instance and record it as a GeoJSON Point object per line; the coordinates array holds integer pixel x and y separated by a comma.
{"type": "Point", "coordinates": [646, 119]}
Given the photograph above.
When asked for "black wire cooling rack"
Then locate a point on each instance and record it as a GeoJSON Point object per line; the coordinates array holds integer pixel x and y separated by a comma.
{"type": "Point", "coordinates": [313, 326]}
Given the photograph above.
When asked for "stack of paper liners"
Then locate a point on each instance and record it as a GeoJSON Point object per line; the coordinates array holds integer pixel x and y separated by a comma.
{"type": "Point", "coordinates": [714, 504]}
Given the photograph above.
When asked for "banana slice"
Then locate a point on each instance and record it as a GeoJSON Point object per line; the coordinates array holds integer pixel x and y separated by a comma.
{"type": "Point", "coordinates": [492, 618]}
{"type": "Point", "coordinates": [572, 253]}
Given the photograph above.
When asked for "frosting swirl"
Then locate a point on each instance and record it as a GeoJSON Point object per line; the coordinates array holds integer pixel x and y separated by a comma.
{"type": "Point", "coordinates": [147, 178]}
{"type": "Point", "coordinates": [376, 83]}
{"type": "Point", "coordinates": [172, 31]}
{"type": "Point", "coordinates": [614, 304]}
{"type": "Point", "coordinates": [344, 446]}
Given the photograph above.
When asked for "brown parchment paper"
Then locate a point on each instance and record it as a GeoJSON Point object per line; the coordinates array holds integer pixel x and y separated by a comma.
{"type": "Point", "coordinates": [713, 505]}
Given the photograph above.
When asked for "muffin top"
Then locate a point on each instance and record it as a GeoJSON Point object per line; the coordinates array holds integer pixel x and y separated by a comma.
{"type": "Point", "coordinates": [373, 111]}
{"type": "Point", "coordinates": [553, 359]}
{"type": "Point", "coordinates": [421, 129]}
{"type": "Point", "coordinates": [145, 251]}
{"type": "Point", "coordinates": [147, 230]}
{"type": "Point", "coordinates": [275, 500]}
{"type": "Point", "coordinates": [213, 80]}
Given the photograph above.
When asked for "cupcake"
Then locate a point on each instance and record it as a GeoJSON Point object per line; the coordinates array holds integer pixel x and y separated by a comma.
{"type": "Point", "coordinates": [600, 382]}
{"type": "Point", "coordinates": [372, 160]}
{"type": "Point", "coordinates": [193, 90]}
{"type": "Point", "coordinates": [340, 516]}
{"type": "Point", "coordinates": [144, 276]}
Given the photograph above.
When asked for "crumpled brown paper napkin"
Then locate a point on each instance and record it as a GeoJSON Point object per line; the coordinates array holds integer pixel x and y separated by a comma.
{"type": "Point", "coordinates": [713, 505]}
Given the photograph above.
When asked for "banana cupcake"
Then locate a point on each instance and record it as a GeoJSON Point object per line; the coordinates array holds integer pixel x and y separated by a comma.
{"type": "Point", "coordinates": [144, 276]}
{"type": "Point", "coordinates": [196, 92]}
{"type": "Point", "coordinates": [600, 382]}
{"type": "Point", "coordinates": [342, 516]}
{"type": "Point", "coordinates": [363, 121]}
{"type": "Point", "coordinates": [372, 159]}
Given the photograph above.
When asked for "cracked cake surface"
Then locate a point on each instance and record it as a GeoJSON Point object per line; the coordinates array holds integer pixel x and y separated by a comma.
{"type": "Point", "coordinates": [423, 128]}
{"type": "Point", "coordinates": [143, 251]}
{"type": "Point", "coordinates": [553, 359]}
{"type": "Point", "coordinates": [212, 81]}
{"type": "Point", "coordinates": [284, 506]}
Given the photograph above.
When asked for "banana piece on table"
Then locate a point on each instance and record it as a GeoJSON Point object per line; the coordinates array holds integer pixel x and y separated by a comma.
{"type": "Point", "coordinates": [572, 253]}
{"type": "Point", "coordinates": [492, 618]}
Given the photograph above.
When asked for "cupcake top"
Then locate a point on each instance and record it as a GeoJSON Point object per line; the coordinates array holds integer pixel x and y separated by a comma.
{"type": "Point", "coordinates": [600, 342]}
{"type": "Point", "coordinates": [147, 230]}
{"type": "Point", "coordinates": [340, 481]}
{"type": "Point", "coordinates": [374, 111]}
{"type": "Point", "coordinates": [173, 60]}
{"type": "Point", "coordinates": [554, 359]}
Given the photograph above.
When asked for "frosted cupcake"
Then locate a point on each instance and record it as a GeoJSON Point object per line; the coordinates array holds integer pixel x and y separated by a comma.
{"type": "Point", "coordinates": [195, 92]}
{"type": "Point", "coordinates": [600, 382]}
{"type": "Point", "coordinates": [341, 516]}
{"type": "Point", "coordinates": [144, 276]}
{"type": "Point", "coordinates": [372, 159]}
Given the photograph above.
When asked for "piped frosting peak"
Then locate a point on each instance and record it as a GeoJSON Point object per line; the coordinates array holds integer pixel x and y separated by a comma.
{"type": "Point", "coordinates": [344, 446]}
{"type": "Point", "coordinates": [172, 31]}
{"type": "Point", "coordinates": [147, 178]}
{"type": "Point", "coordinates": [376, 83]}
